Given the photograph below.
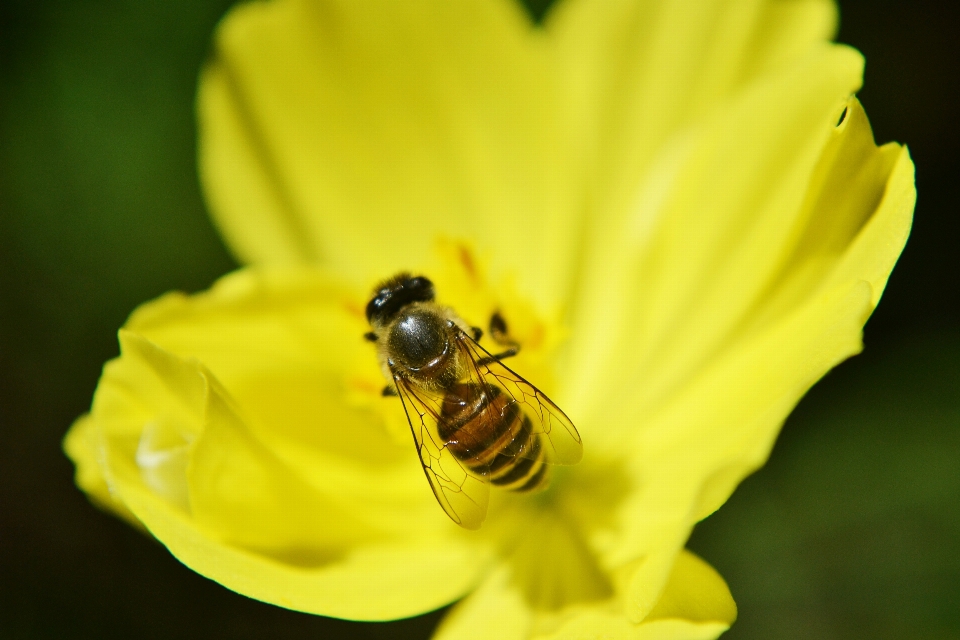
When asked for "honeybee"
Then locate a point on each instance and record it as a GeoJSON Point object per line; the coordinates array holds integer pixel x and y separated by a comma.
{"type": "Point", "coordinates": [475, 421]}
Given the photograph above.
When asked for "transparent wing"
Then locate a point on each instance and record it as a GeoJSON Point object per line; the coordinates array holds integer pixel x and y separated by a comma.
{"type": "Point", "coordinates": [462, 494]}
{"type": "Point", "coordinates": [559, 439]}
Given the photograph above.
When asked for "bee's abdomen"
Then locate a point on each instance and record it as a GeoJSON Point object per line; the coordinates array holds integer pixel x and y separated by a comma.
{"type": "Point", "coordinates": [486, 430]}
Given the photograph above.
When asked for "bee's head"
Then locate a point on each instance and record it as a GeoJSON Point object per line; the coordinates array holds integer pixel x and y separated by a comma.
{"type": "Point", "coordinates": [396, 293]}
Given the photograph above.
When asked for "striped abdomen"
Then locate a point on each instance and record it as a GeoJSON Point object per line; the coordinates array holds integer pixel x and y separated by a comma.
{"type": "Point", "coordinates": [487, 430]}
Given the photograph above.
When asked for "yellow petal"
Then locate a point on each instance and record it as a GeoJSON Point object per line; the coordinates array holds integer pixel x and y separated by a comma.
{"type": "Point", "coordinates": [495, 610]}
{"type": "Point", "coordinates": [371, 583]}
{"type": "Point", "coordinates": [756, 272]}
{"type": "Point", "coordinates": [695, 592]}
{"type": "Point", "coordinates": [232, 485]}
{"type": "Point", "coordinates": [723, 426]}
{"type": "Point", "coordinates": [357, 133]}
{"type": "Point", "coordinates": [277, 511]}
{"type": "Point", "coordinates": [696, 604]}
{"type": "Point", "coordinates": [646, 70]}
{"type": "Point", "coordinates": [83, 445]}
{"type": "Point", "coordinates": [598, 625]}
{"type": "Point", "coordinates": [701, 441]}
{"type": "Point", "coordinates": [854, 190]}
{"type": "Point", "coordinates": [859, 247]}
{"type": "Point", "coordinates": [884, 176]}
{"type": "Point", "coordinates": [288, 344]}
{"type": "Point", "coordinates": [797, 317]}
{"type": "Point", "coordinates": [708, 231]}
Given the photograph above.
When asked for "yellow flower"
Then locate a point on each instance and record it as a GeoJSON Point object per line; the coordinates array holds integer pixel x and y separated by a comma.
{"type": "Point", "coordinates": [657, 196]}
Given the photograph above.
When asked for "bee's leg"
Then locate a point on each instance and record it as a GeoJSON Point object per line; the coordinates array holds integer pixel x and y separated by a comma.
{"type": "Point", "coordinates": [499, 332]}
{"type": "Point", "coordinates": [477, 333]}
{"type": "Point", "coordinates": [388, 391]}
{"type": "Point", "coordinates": [500, 335]}
{"type": "Point", "coordinates": [497, 357]}
{"type": "Point", "coordinates": [370, 336]}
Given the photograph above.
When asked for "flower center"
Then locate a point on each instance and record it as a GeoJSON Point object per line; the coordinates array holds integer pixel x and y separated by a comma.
{"type": "Point", "coordinates": [542, 536]}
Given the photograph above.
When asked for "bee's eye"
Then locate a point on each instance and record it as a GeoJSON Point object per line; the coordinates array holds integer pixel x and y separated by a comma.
{"type": "Point", "coordinates": [396, 294]}
{"type": "Point", "coordinates": [375, 305]}
{"type": "Point", "coordinates": [418, 289]}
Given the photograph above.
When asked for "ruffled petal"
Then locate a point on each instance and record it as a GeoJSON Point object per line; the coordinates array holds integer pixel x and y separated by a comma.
{"type": "Point", "coordinates": [710, 229]}
{"type": "Point", "coordinates": [696, 604]}
{"type": "Point", "coordinates": [694, 444]}
{"type": "Point", "coordinates": [703, 449]}
{"type": "Point", "coordinates": [598, 625]}
{"type": "Point", "coordinates": [722, 428]}
{"type": "Point", "coordinates": [695, 592]}
{"type": "Point", "coordinates": [371, 583]}
{"type": "Point", "coordinates": [495, 610]}
{"type": "Point", "coordinates": [83, 445]}
{"type": "Point", "coordinates": [356, 134]}
{"type": "Point", "coordinates": [642, 71]}
{"type": "Point", "coordinates": [276, 504]}
{"type": "Point", "coordinates": [757, 247]}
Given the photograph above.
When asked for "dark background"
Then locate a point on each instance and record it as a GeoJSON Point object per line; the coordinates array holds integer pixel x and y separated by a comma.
{"type": "Point", "coordinates": [851, 531]}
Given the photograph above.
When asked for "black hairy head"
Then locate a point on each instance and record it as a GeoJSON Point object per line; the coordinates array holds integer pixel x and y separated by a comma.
{"type": "Point", "coordinates": [396, 293]}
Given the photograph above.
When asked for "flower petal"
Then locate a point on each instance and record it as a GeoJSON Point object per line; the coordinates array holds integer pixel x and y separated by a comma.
{"type": "Point", "coordinates": [709, 231]}
{"type": "Point", "coordinates": [709, 439]}
{"type": "Point", "coordinates": [650, 69]}
{"type": "Point", "coordinates": [598, 625]}
{"type": "Point", "coordinates": [357, 133]}
{"type": "Point", "coordinates": [332, 128]}
{"type": "Point", "coordinates": [703, 449]}
{"type": "Point", "coordinates": [697, 443]}
{"type": "Point", "coordinates": [695, 592]}
{"type": "Point", "coordinates": [695, 604]}
{"type": "Point", "coordinates": [83, 446]}
{"type": "Point", "coordinates": [371, 584]}
{"type": "Point", "coordinates": [496, 609]}
{"type": "Point", "coordinates": [288, 344]}
{"type": "Point", "coordinates": [323, 525]}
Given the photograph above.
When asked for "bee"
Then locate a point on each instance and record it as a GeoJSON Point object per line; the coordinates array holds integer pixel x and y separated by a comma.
{"type": "Point", "coordinates": [475, 422]}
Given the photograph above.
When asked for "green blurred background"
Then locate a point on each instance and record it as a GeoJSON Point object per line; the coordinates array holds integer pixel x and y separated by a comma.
{"type": "Point", "coordinates": [851, 531]}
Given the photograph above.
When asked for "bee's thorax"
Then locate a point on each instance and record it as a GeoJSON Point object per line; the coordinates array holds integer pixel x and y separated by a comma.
{"type": "Point", "coordinates": [420, 342]}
